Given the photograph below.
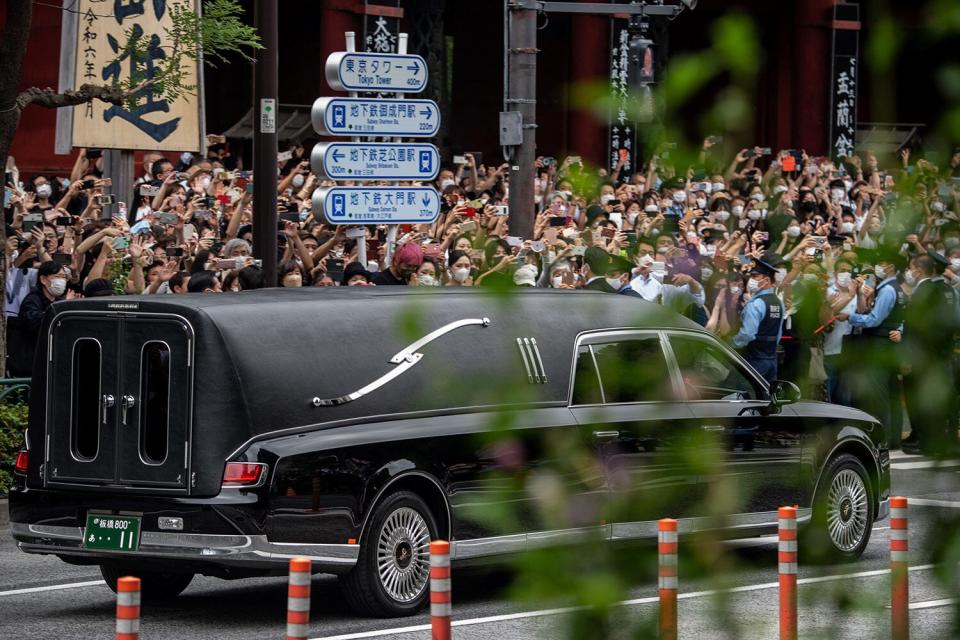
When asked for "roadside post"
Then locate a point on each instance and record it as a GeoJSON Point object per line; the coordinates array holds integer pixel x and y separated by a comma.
{"type": "Point", "coordinates": [128, 608]}
{"type": "Point", "coordinates": [298, 600]}
{"type": "Point", "coordinates": [899, 573]}
{"type": "Point", "coordinates": [440, 590]}
{"type": "Point", "coordinates": [787, 560]}
{"type": "Point", "coordinates": [667, 580]}
{"type": "Point", "coordinates": [370, 163]}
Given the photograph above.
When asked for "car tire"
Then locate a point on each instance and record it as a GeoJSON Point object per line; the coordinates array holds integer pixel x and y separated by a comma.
{"type": "Point", "coordinates": [843, 513]}
{"type": "Point", "coordinates": [392, 574]}
{"type": "Point", "coordinates": [154, 585]}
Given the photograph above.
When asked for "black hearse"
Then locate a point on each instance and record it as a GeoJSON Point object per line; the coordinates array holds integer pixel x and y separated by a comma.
{"type": "Point", "coordinates": [224, 434]}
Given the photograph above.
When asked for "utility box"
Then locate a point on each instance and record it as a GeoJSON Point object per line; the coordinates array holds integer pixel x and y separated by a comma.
{"type": "Point", "coordinates": [511, 129]}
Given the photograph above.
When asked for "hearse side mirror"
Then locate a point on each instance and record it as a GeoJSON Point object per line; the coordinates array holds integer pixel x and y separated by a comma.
{"type": "Point", "coordinates": [784, 392]}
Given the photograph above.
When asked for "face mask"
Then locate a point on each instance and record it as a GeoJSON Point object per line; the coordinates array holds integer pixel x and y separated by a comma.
{"type": "Point", "coordinates": [847, 227]}
{"type": "Point", "coordinates": [461, 275]}
{"type": "Point", "coordinates": [753, 286]}
{"type": "Point", "coordinates": [658, 275]}
{"type": "Point", "coordinates": [556, 281]}
{"type": "Point", "coordinates": [57, 287]}
{"type": "Point", "coordinates": [205, 182]}
{"type": "Point", "coordinates": [614, 283]}
{"type": "Point", "coordinates": [810, 277]}
{"type": "Point", "coordinates": [632, 218]}
{"type": "Point", "coordinates": [14, 255]}
{"type": "Point", "coordinates": [951, 242]}
{"type": "Point", "coordinates": [909, 278]}
{"type": "Point", "coordinates": [298, 180]}
{"type": "Point", "coordinates": [655, 231]}
{"type": "Point", "coordinates": [936, 206]}
{"type": "Point", "coordinates": [679, 197]}
{"type": "Point", "coordinates": [779, 188]}
{"type": "Point", "coordinates": [44, 191]}
{"type": "Point", "coordinates": [757, 197]}
{"type": "Point", "coordinates": [566, 194]}
{"type": "Point", "coordinates": [881, 272]}
{"type": "Point", "coordinates": [737, 209]}
{"type": "Point", "coordinates": [447, 182]}
{"type": "Point", "coordinates": [617, 219]}
{"type": "Point", "coordinates": [735, 291]}
{"type": "Point", "coordinates": [701, 203]}
{"type": "Point", "coordinates": [645, 261]}
{"type": "Point", "coordinates": [793, 232]}
{"type": "Point", "coordinates": [709, 250]}
{"type": "Point", "coordinates": [754, 214]}
{"type": "Point", "coordinates": [607, 199]}
{"type": "Point", "coordinates": [836, 194]}
{"type": "Point", "coordinates": [723, 216]}
{"type": "Point", "coordinates": [718, 186]}
{"type": "Point", "coordinates": [706, 273]}
{"type": "Point", "coordinates": [651, 208]}
{"type": "Point", "coordinates": [955, 264]}
{"type": "Point", "coordinates": [427, 280]}
{"type": "Point", "coordinates": [844, 278]}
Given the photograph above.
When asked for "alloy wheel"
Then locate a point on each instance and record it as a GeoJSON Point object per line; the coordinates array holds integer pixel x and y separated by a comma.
{"type": "Point", "coordinates": [848, 509]}
{"type": "Point", "coordinates": [403, 554]}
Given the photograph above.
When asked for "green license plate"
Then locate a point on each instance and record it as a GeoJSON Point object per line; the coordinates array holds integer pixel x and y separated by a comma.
{"type": "Point", "coordinates": [114, 533]}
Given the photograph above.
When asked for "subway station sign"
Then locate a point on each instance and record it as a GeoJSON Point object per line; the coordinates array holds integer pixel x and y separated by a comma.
{"type": "Point", "coordinates": [376, 117]}
{"type": "Point", "coordinates": [381, 161]}
{"type": "Point", "coordinates": [377, 205]}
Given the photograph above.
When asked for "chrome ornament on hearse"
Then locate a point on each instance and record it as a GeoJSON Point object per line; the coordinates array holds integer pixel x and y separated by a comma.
{"type": "Point", "coordinates": [223, 435]}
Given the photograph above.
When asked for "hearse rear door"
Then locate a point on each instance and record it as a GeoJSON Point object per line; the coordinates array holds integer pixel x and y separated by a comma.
{"type": "Point", "coordinates": [154, 402]}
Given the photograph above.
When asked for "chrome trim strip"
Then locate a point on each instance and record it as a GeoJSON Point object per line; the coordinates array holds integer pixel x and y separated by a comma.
{"type": "Point", "coordinates": [408, 352]}
{"type": "Point", "coordinates": [536, 372]}
{"type": "Point", "coordinates": [536, 352]}
{"type": "Point", "coordinates": [34, 538]}
{"type": "Point", "coordinates": [373, 386]}
{"type": "Point", "coordinates": [526, 362]}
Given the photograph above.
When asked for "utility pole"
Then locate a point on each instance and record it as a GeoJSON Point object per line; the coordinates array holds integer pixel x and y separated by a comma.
{"type": "Point", "coordinates": [521, 43]}
{"type": "Point", "coordinates": [265, 140]}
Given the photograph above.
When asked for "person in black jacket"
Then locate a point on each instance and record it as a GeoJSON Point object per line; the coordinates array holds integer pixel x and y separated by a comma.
{"type": "Point", "coordinates": [51, 287]}
{"type": "Point", "coordinates": [928, 333]}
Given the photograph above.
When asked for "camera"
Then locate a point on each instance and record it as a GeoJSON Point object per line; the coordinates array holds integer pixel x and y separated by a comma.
{"type": "Point", "coordinates": [106, 199]}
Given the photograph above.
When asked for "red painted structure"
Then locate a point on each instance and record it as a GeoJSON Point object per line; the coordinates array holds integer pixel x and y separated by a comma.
{"type": "Point", "coordinates": [792, 95]}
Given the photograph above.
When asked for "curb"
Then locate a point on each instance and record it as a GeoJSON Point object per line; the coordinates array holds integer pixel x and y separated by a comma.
{"type": "Point", "coordinates": [4, 512]}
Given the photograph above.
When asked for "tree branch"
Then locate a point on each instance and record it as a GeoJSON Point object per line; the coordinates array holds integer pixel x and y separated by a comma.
{"type": "Point", "coordinates": [86, 93]}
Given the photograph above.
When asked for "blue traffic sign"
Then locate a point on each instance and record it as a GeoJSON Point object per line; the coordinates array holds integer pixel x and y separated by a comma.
{"type": "Point", "coordinates": [388, 72]}
{"type": "Point", "coordinates": [375, 161]}
{"type": "Point", "coordinates": [376, 117]}
{"type": "Point", "coordinates": [376, 205]}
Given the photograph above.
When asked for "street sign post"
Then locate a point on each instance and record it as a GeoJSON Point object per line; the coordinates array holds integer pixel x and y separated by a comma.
{"type": "Point", "coordinates": [377, 205]}
{"type": "Point", "coordinates": [376, 117]}
{"type": "Point", "coordinates": [387, 72]}
{"type": "Point", "coordinates": [375, 161]}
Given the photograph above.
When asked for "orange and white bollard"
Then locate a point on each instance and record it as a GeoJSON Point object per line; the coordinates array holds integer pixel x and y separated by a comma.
{"type": "Point", "coordinates": [298, 599]}
{"type": "Point", "coordinates": [787, 560]}
{"type": "Point", "coordinates": [128, 608]}
{"type": "Point", "coordinates": [667, 580]}
{"type": "Point", "coordinates": [440, 589]}
{"type": "Point", "coordinates": [899, 572]}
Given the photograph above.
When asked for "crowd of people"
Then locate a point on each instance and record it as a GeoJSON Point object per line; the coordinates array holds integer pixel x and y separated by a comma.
{"type": "Point", "coordinates": [838, 274]}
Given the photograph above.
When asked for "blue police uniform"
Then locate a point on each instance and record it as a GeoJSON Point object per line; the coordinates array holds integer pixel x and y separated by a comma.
{"type": "Point", "coordinates": [761, 327]}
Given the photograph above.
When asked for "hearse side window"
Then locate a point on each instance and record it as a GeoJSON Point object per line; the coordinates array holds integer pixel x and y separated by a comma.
{"type": "Point", "coordinates": [85, 403]}
{"type": "Point", "coordinates": [154, 401]}
{"type": "Point", "coordinates": [709, 373]}
{"type": "Point", "coordinates": [632, 370]}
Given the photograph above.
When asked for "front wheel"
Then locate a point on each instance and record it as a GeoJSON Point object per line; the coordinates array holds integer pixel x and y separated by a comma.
{"type": "Point", "coordinates": [843, 512]}
{"type": "Point", "coordinates": [153, 584]}
{"type": "Point", "coordinates": [392, 574]}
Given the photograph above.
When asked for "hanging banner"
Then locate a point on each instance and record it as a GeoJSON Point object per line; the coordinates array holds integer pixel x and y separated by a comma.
{"type": "Point", "coordinates": [843, 80]}
{"type": "Point", "coordinates": [380, 32]}
{"type": "Point", "coordinates": [102, 57]}
{"type": "Point", "coordinates": [622, 134]}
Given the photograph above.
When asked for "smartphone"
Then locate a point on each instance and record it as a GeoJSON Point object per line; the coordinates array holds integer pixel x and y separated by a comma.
{"type": "Point", "coordinates": [120, 243]}
{"type": "Point", "coordinates": [623, 154]}
{"type": "Point", "coordinates": [514, 241]}
{"type": "Point", "coordinates": [607, 232]}
{"type": "Point", "coordinates": [715, 139]}
{"type": "Point", "coordinates": [175, 252]}
{"type": "Point", "coordinates": [477, 157]}
{"type": "Point", "coordinates": [168, 218]}
{"type": "Point", "coordinates": [106, 199]}
{"type": "Point", "coordinates": [870, 281]}
{"type": "Point", "coordinates": [201, 214]}
{"type": "Point", "coordinates": [216, 247]}
{"type": "Point", "coordinates": [789, 163]}
{"type": "Point", "coordinates": [62, 259]}
{"type": "Point", "coordinates": [64, 221]}
{"type": "Point", "coordinates": [459, 160]}
{"type": "Point", "coordinates": [284, 156]}
{"type": "Point", "coordinates": [149, 190]}
{"type": "Point", "coordinates": [468, 226]}
{"type": "Point", "coordinates": [764, 235]}
{"type": "Point", "coordinates": [31, 220]}
{"type": "Point", "coordinates": [578, 251]}
{"type": "Point", "coordinates": [548, 161]}
{"type": "Point", "coordinates": [249, 187]}
{"type": "Point", "coordinates": [228, 264]}
{"type": "Point", "coordinates": [538, 246]}
{"type": "Point", "coordinates": [93, 154]}
{"type": "Point", "coordinates": [557, 221]}
{"type": "Point", "coordinates": [335, 264]}
{"type": "Point", "coordinates": [89, 184]}
{"type": "Point", "coordinates": [501, 210]}
{"type": "Point", "coordinates": [745, 260]}
{"type": "Point", "coordinates": [820, 241]}
{"type": "Point", "coordinates": [7, 195]}
{"type": "Point", "coordinates": [432, 250]}
{"type": "Point", "coordinates": [183, 176]}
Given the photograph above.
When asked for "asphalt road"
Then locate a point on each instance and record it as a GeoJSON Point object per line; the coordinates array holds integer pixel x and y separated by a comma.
{"type": "Point", "coordinates": [42, 597]}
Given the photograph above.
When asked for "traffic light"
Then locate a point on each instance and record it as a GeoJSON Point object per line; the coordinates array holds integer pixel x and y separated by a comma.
{"type": "Point", "coordinates": [641, 60]}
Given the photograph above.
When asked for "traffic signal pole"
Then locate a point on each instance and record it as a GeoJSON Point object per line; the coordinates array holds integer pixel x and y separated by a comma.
{"type": "Point", "coordinates": [265, 141]}
{"type": "Point", "coordinates": [521, 54]}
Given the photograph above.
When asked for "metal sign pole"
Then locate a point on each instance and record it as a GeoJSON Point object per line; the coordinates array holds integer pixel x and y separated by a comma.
{"type": "Point", "coordinates": [361, 237]}
{"type": "Point", "coordinates": [521, 62]}
{"type": "Point", "coordinates": [265, 142]}
{"type": "Point", "coordinates": [392, 229]}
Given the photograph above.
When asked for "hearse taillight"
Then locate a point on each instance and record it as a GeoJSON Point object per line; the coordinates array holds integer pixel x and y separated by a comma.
{"type": "Point", "coordinates": [23, 459]}
{"type": "Point", "coordinates": [244, 474]}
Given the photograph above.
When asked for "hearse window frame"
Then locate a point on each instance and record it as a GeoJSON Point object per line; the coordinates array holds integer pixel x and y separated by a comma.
{"type": "Point", "coordinates": [74, 451]}
{"type": "Point", "coordinates": [745, 368]}
{"type": "Point", "coordinates": [606, 336]}
{"type": "Point", "coordinates": [142, 409]}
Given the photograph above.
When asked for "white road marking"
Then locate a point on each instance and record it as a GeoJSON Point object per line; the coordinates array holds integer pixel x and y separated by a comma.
{"type": "Point", "coordinates": [624, 603]}
{"type": "Point", "coordinates": [53, 587]}
{"type": "Point", "coordinates": [925, 464]}
{"type": "Point", "coordinates": [924, 502]}
{"type": "Point", "coordinates": [931, 604]}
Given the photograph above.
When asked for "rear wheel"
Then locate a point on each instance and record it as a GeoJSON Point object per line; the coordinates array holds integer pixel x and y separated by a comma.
{"type": "Point", "coordinates": [392, 574]}
{"type": "Point", "coordinates": [843, 512]}
{"type": "Point", "coordinates": [155, 585]}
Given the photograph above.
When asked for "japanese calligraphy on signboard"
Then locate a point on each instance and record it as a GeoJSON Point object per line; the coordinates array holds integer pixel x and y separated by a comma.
{"type": "Point", "coordinates": [379, 31]}
{"type": "Point", "coordinates": [102, 58]}
{"type": "Point", "coordinates": [622, 133]}
{"type": "Point", "coordinates": [843, 91]}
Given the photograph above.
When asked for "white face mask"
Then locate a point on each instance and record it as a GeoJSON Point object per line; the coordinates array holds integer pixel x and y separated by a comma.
{"type": "Point", "coordinates": [844, 278]}
{"type": "Point", "coordinates": [461, 275]}
{"type": "Point", "coordinates": [44, 191]}
{"type": "Point", "coordinates": [614, 283]}
{"type": "Point", "coordinates": [723, 216]}
{"type": "Point", "coordinates": [679, 197]}
{"type": "Point", "coordinates": [298, 180]}
{"type": "Point", "coordinates": [737, 209]}
{"type": "Point", "coordinates": [753, 285]}
{"type": "Point", "coordinates": [880, 272]}
{"type": "Point", "coordinates": [651, 208]}
{"type": "Point", "coordinates": [781, 274]}
{"type": "Point", "coordinates": [793, 231]}
{"type": "Point", "coordinates": [735, 291]}
{"type": "Point", "coordinates": [706, 273]}
{"type": "Point", "coordinates": [955, 264]}
{"type": "Point", "coordinates": [951, 242]}
{"type": "Point", "coordinates": [909, 278]}
{"type": "Point", "coordinates": [447, 182]}
{"type": "Point", "coordinates": [607, 198]}
{"type": "Point", "coordinates": [847, 227]}
{"type": "Point", "coordinates": [632, 218]}
{"type": "Point", "coordinates": [205, 182]}
{"type": "Point", "coordinates": [754, 214]}
{"type": "Point", "coordinates": [719, 186]}
{"type": "Point", "coordinates": [779, 188]}
{"type": "Point", "coordinates": [57, 287]}
{"type": "Point", "coordinates": [556, 281]}
{"type": "Point", "coordinates": [427, 280]}
{"type": "Point", "coordinates": [836, 194]}
{"type": "Point", "coordinates": [757, 197]}
{"type": "Point", "coordinates": [701, 203]}
{"type": "Point", "coordinates": [936, 206]}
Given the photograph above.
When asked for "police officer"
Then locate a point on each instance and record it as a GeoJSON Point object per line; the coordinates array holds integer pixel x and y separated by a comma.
{"type": "Point", "coordinates": [873, 382]}
{"type": "Point", "coordinates": [928, 334]}
{"type": "Point", "coordinates": [761, 322]}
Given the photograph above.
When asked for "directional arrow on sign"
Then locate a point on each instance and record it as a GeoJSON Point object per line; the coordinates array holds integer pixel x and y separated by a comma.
{"type": "Point", "coordinates": [338, 156]}
{"type": "Point", "coordinates": [426, 201]}
{"type": "Point", "coordinates": [426, 113]}
{"type": "Point", "coordinates": [414, 67]}
{"type": "Point", "coordinates": [375, 160]}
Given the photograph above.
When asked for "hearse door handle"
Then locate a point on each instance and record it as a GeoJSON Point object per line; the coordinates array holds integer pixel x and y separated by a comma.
{"type": "Point", "coordinates": [126, 402]}
{"type": "Point", "coordinates": [106, 402]}
{"type": "Point", "coordinates": [715, 428]}
{"type": "Point", "coordinates": [606, 436]}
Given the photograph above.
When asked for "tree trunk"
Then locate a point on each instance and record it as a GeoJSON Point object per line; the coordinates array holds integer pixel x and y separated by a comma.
{"type": "Point", "coordinates": [13, 48]}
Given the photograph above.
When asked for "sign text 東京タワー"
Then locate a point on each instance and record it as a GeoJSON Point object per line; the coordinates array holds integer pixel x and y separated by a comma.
{"type": "Point", "coordinates": [347, 71]}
